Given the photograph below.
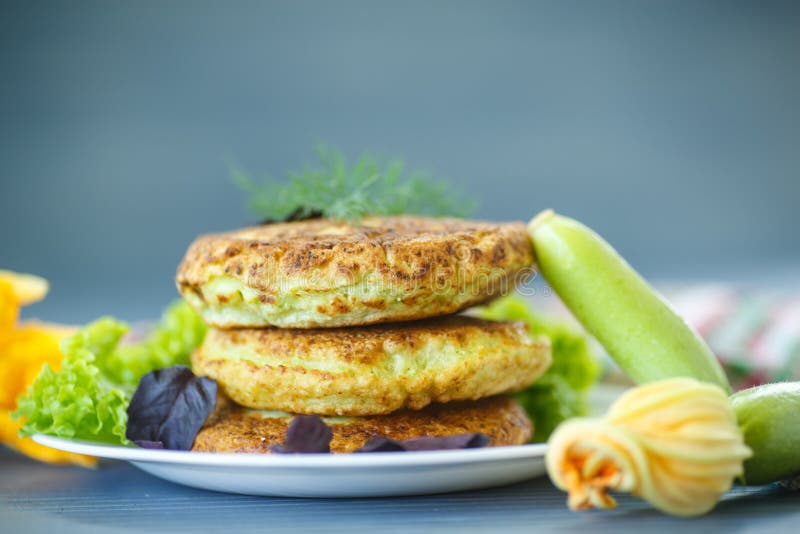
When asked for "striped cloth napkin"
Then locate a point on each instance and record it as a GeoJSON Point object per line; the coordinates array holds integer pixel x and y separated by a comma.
{"type": "Point", "coordinates": [755, 334]}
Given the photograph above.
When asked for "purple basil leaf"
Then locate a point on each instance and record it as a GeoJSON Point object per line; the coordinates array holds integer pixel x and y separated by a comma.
{"type": "Point", "coordinates": [381, 444]}
{"type": "Point", "coordinates": [460, 441]}
{"type": "Point", "coordinates": [143, 443]}
{"type": "Point", "coordinates": [306, 434]}
{"type": "Point", "coordinates": [426, 443]}
{"type": "Point", "coordinates": [170, 406]}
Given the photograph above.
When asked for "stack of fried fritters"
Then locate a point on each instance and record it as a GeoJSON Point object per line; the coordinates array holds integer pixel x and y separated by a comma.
{"type": "Point", "coordinates": [354, 322]}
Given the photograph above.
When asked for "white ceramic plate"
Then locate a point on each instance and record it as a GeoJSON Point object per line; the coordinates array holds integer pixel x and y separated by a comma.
{"type": "Point", "coordinates": [327, 475]}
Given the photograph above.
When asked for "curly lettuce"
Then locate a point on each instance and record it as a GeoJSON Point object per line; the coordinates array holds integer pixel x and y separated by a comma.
{"type": "Point", "coordinates": [171, 342]}
{"type": "Point", "coordinates": [561, 392]}
{"type": "Point", "coordinates": [87, 398]}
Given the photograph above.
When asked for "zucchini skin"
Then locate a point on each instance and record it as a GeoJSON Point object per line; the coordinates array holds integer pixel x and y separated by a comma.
{"type": "Point", "coordinates": [769, 416]}
{"type": "Point", "coordinates": [637, 327]}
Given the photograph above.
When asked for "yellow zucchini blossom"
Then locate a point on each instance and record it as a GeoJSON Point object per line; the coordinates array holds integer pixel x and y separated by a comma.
{"type": "Point", "coordinates": [674, 443]}
{"type": "Point", "coordinates": [24, 349]}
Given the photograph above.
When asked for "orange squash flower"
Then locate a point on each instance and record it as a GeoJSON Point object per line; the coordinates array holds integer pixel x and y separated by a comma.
{"type": "Point", "coordinates": [24, 349]}
{"type": "Point", "coordinates": [674, 443]}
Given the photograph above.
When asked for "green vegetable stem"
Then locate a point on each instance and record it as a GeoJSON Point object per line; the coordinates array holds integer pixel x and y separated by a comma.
{"type": "Point", "coordinates": [614, 303]}
{"type": "Point", "coordinates": [769, 417]}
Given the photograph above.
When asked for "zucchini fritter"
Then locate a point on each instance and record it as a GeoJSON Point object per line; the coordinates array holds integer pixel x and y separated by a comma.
{"type": "Point", "coordinates": [372, 369]}
{"type": "Point", "coordinates": [324, 273]}
{"type": "Point", "coordinates": [235, 429]}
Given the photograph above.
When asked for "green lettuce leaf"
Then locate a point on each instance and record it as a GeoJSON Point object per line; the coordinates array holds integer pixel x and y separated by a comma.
{"type": "Point", "coordinates": [88, 397]}
{"type": "Point", "coordinates": [561, 392]}
{"type": "Point", "coordinates": [170, 343]}
{"type": "Point", "coordinates": [80, 400]}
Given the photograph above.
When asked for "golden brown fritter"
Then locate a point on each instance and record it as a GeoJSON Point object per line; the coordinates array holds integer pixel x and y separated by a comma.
{"type": "Point", "coordinates": [374, 369]}
{"type": "Point", "coordinates": [324, 273]}
{"type": "Point", "coordinates": [235, 429]}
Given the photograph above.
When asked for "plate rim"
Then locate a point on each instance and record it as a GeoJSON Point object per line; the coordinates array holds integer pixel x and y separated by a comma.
{"type": "Point", "coordinates": [324, 460]}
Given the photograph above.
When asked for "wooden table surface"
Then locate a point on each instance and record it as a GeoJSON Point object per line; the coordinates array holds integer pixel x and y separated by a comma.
{"type": "Point", "coordinates": [119, 498]}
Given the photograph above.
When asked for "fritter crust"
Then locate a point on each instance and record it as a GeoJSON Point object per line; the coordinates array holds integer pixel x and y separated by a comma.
{"type": "Point", "coordinates": [324, 273]}
{"type": "Point", "coordinates": [372, 369]}
{"type": "Point", "coordinates": [235, 429]}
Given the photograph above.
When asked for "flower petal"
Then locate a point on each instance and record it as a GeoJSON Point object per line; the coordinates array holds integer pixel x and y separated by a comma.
{"type": "Point", "coordinates": [675, 443]}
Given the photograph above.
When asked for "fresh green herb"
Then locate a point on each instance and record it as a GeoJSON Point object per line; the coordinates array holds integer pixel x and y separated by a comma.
{"type": "Point", "coordinates": [338, 190]}
{"type": "Point", "coordinates": [87, 398]}
{"type": "Point", "coordinates": [561, 392]}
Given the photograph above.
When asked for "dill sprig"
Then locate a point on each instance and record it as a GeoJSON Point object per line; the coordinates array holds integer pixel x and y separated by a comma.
{"type": "Point", "coordinates": [338, 190]}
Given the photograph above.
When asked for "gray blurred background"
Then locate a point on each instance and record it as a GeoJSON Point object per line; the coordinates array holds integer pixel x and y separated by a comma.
{"type": "Point", "coordinates": [671, 127]}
